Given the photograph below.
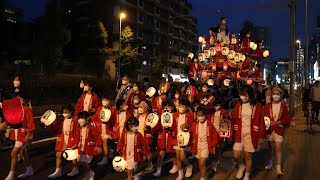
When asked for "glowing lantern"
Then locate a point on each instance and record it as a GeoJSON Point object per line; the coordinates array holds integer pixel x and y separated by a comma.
{"type": "Point", "coordinates": [70, 154]}
{"type": "Point", "coordinates": [225, 130]}
{"type": "Point", "coordinates": [152, 120]}
{"type": "Point", "coordinates": [225, 51]}
{"type": "Point", "coordinates": [212, 51]}
{"type": "Point", "coordinates": [201, 57]}
{"type": "Point", "coordinates": [204, 74]}
{"type": "Point", "coordinates": [166, 119]}
{"type": "Point", "coordinates": [13, 112]}
{"type": "Point", "coordinates": [237, 57]}
{"type": "Point", "coordinates": [226, 82]}
{"type": "Point", "coordinates": [119, 164]}
{"type": "Point", "coordinates": [255, 47]}
{"type": "Point", "coordinates": [105, 115]}
{"type": "Point", "coordinates": [242, 57]}
{"type": "Point", "coordinates": [190, 55]}
{"type": "Point", "coordinates": [218, 47]}
{"type": "Point", "coordinates": [231, 54]}
{"type": "Point", "coordinates": [225, 66]}
{"type": "Point", "coordinates": [251, 45]}
{"type": "Point", "coordinates": [151, 91]}
{"type": "Point", "coordinates": [183, 138]}
{"type": "Point", "coordinates": [48, 118]}
{"type": "Point", "coordinates": [267, 122]}
{"type": "Point", "coordinates": [249, 81]}
{"type": "Point", "coordinates": [214, 66]}
{"type": "Point", "coordinates": [265, 53]}
{"type": "Point", "coordinates": [206, 53]}
{"type": "Point", "coordinates": [210, 82]}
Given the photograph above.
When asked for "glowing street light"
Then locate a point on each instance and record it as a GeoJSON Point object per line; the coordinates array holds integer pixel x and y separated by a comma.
{"type": "Point", "coordinates": [122, 16]}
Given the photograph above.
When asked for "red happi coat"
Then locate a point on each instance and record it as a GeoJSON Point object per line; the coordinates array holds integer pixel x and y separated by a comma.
{"type": "Point", "coordinates": [172, 140]}
{"type": "Point", "coordinates": [245, 45]}
{"type": "Point", "coordinates": [157, 105]}
{"type": "Point", "coordinates": [27, 126]}
{"type": "Point", "coordinates": [212, 137]}
{"type": "Point", "coordinates": [109, 124]}
{"type": "Point", "coordinates": [130, 98]}
{"type": "Point", "coordinates": [147, 134]}
{"type": "Point", "coordinates": [193, 70]}
{"type": "Point", "coordinates": [244, 71]}
{"type": "Point", "coordinates": [223, 114]}
{"type": "Point", "coordinates": [93, 106]}
{"type": "Point", "coordinates": [92, 141]}
{"type": "Point", "coordinates": [284, 117]}
{"type": "Point", "coordinates": [116, 130]}
{"type": "Point", "coordinates": [57, 127]}
{"type": "Point", "coordinates": [257, 123]}
{"type": "Point", "coordinates": [140, 147]}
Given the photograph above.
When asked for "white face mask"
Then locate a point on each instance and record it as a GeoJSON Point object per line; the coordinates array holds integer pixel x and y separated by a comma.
{"type": "Point", "coordinates": [217, 108]}
{"type": "Point", "coordinates": [82, 122]}
{"type": "Point", "coordinates": [201, 119]}
{"type": "Point", "coordinates": [66, 115]}
{"type": "Point", "coordinates": [81, 85]}
{"type": "Point", "coordinates": [244, 99]}
{"type": "Point", "coordinates": [135, 88]}
{"type": "Point", "coordinates": [176, 96]}
{"type": "Point", "coordinates": [105, 103]}
{"type": "Point", "coordinates": [135, 129]}
{"type": "Point", "coordinates": [16, 83]}
{"type": "Point", "coordinates": [125, 108]}
{"type": "Point", "coordinates": [204, 89]}
{"type": "Point", "coordinates": [276, 97]}
{"type": "Point", "coordinates": [124, 82]}
{"type": "Point", "coordinates": [136, 101]}
{"type": "Point", "coordinates": [181, 110]}
{"type": "Point", "coordinates": [140, 110]}
{"type": "Point", "coordinates": [86, 88]}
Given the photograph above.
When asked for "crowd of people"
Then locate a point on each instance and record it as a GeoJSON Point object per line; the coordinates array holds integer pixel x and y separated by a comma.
{"type": "Point", "coordinates": [96, 127]}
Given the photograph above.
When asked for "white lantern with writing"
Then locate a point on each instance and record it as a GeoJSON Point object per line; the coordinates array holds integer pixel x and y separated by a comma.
{"type": "Point", "coordinates": [225, 51]}
{"type": "Point", "coordinates": [48, 118]}
{"type": "Point", "coordinates": [70, 154]}
{"type": "Point", "coordinates": [151, 91]}
{"type": "Point", "coordinates": [152, 120]}
{"type": "Point", "coordinates": [166, 119]}
{"type": "Point", "coordinates": [105, 115]}
{"type": "Point", "coordinates": [183, 138]}
{"type": "Point", "coordinates": [267, 122]}
{"type": "Point", "coordinates": [119, 164]}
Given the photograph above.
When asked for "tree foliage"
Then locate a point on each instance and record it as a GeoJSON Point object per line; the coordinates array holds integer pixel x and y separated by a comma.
{"type": "Point", "coordinates": [159, 65]}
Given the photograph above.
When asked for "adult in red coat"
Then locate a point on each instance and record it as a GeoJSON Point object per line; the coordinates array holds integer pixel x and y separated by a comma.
{"type": "Point", "coordinates": [22, 136]}
{"type": "Point", "coordinates": [280, 118]}
{"type": "Point", "coordinates": [249, 129]}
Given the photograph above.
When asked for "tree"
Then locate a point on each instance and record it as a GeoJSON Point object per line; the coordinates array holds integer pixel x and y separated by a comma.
{"type": "Point", "coordinates": [160, 62]}
{"type": "Point", "coordinates": [128, 53]}
{"type": "Point", "coordinates": [97, 48]}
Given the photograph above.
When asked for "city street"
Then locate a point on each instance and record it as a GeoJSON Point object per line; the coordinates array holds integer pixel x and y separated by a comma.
{"type": "Point", "coordinates": [300, 157]}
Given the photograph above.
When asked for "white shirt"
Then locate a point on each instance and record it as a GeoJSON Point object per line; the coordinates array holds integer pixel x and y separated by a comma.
{"type": "Point", "coordinates": [83, 138]}
{"type": "Point", "coordinates": [181, 120]}
{"type": "Point", "coordinates": [246, 115]}
{"type": "Point", "coordinates": [276, 110]}
{"type": "Point", "coordinates": [66, 130]}
{"type": "Point", "coordinates": [86, 102]}
{"type": "Point", "coordinates": [130, 147]}
{"type": "Point", "coordinates": [216, 120]}
{"type": "Point", "coordinates": [122, 120]}
{"type": "Point", "coordinates": [202, 136]}
{"type": "Point", "coordinates": [142, 124]}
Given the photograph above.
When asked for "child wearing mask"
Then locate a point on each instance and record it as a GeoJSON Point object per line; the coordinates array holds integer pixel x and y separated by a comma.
{"type": "Point", "coordinates": [279, 116]}
{"type": "Point", "coordinates": [132, 146]}
{"type": "Point", "coordinates": [162, 143]}
{"type": "Point", "coordinates": [177, 97]}
{"type": "Point", "coordinates": [157, 101]}
{"type": "Point", "coordinates": [181, 120]}
{"type": "Point", "coordinates": [65, 130]}
{"type": "Point", "coordinates": [88, 141]}
{"type": "Point", "coordinates": [205, 139]}
{"type": "Point", "coordinates": [22, 136]}
{"type": "Point", "coordinates": [136, 91]}
{"type": "Point", "coordinates": [121, 116]}
{"type": "Point", "coordinates": [133, 108]}
{"type": "Point", "coordinates": [205, 97]}
{"type": "Point", "coordinates": [105, 125]}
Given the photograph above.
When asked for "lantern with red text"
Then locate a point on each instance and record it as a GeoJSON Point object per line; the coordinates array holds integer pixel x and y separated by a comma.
{"type": "Point", "coordinates": [225, 51]}
{"type": "Point", "coordinates": [225, 66]}
{"type": "Point", "coordinates": [218, 47]}
{"type": "Point", "coordinates": [13, 112]}
{"type": "Point", "coordinates": [212, 51]}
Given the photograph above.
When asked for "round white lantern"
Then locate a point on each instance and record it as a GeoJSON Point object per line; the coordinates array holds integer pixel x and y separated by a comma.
{"type": "Point", "coordinates": [166, 119]}
{"type": "Point", "coordinates": [119, 164]}
{"type": "Point", "coordinates": [226, 82]}
{"type": "Point", "coordinates": [251, 45]}
{"type": "Point", "coordinates": [265, 53]}
{"type": "Point", "coordinates": [255, 47]}
{"type": "Point", "coordinates": [213, 51]}
{"type": "Point", "coordinates": [190, 55]}
{"type": "Point", "coordinates": [183, 138]}
{"type": "Point", "coordinates": [152, 120]}
{"type": "Point", "coordinates": [231, 54]}
{"type": "Point", "coordinates": [70, 154]}
{"type": "Point", "coordinates": [48, 117]}
{"type": "Point", "coordinates": [237, 57]}
{"type": "Point", "coordinates": [267, 122]}
{"type": "Point", "coordinates": [242, 57]}
{"type": "Point", "coordinates": [225, 51]}
{"type": "Point", "coordinates": [105, 115]}
{"type": "Point", "coordinates": [151, 91]}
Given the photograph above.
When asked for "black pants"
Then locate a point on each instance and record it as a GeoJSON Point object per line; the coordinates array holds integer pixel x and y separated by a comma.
{"type": "Point", "coordinates": [315, 107]}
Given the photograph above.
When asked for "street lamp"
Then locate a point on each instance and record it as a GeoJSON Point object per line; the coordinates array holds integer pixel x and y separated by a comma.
{"type": "Point", "coordinates": [122, 16]}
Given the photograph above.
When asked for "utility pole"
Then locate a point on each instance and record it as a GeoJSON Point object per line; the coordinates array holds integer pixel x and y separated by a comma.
{"type": "Point", "coordinates": [292, 7]}
{"type": "Point", "coordinates": [306, 57]}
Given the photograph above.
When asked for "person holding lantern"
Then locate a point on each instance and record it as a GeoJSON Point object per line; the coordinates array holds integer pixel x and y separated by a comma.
{"type": "Point", "coordinates": [121, 116]}
{"type": "Point", "coordinates": [181, 122]}
{"type": "Point", "coordinates": [88, 140]}
{"type": "Point", "coordinates": [206, 98]}
{"type": "Point", "coordinates": [132, 146]}
{"type": "Point", "coordinates": [249, 129]}
{"type": "Point", "coordinates": [22, 136]}
{"type": "Point", "coordinates": [205, 139]}
{"type": "Point", "coordinates": [279, 116]}
{"type": "Point", "coordinates": [65, 130]}
{"type": "Point", "coordinates": [136, 90]}
{"type": "Point", "coordinates": [105, 116]}
{"type": "Point", "coordinates": [157, 101]}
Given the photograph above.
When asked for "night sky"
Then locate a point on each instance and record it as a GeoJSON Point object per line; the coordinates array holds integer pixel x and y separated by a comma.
{"type": "Point", "coordinates": [236, 11]}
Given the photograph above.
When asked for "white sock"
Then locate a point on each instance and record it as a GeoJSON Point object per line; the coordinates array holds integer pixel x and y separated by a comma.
{"type": "Point", "coordinates": [278, 167]}
{"type": "Point", "coordinates": [246, 176]}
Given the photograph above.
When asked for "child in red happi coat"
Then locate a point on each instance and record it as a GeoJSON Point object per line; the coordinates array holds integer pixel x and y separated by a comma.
{"type": "Point", "coordinates": [133, 108]}
{"type": "Point", "coordinates": [204, 138]}
{"type": "Point", "coordinates": [121, 116]}
{"type": "Point", "coordinates": [65, 130]}
{"type": "Point", "coordinates": [132, 146]}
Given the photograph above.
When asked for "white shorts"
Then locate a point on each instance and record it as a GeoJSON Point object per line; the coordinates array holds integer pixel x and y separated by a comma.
{"type": "Point", "coordinates": [245, 144]}
{"type": "Point", "coordinates": [18, 144]}
{"type": "Point", "coordinates": [131, 165]}
{"type": "Point", "coordinates": [203, 153]}
{"type": "Point", "coordinates": [275, 137]}
{"type": "Point", "coordinates": [84, 158]}
{"type": "Point", "coordinates": [105, 136]}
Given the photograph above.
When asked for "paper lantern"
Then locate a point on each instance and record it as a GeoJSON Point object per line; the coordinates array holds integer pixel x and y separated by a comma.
{"type": "Point", "coordinates": [204, 74]}
{"type": "Point", "coordinates": [200, 39]}
{"type": "Point", "coordinates": [183, 138]}
{"type": "Point", "coordinates": [218, 47]}
{"type": "Point", "coordinates": [252, 44]}
{"type": "Point", "coordinates": [70, 154]}
{"type": "Point", "coordinates": [249, 81]}
{"type": "Point", "coordinates": [151, 91]}
{"type": "Point", "coordinates": [190, 55]}
{"type": "Point", "coordinates": [119, 164]}
{"type": "Point", "coordinates": [214, 66]}
{"type": "Point", "coordinates": [265, 53]}
{"type": "Point", "coordinates": [237, 57]}
{"type": "Point", "coordinates": [201, 57]}
{"type": "Point", "coordinates": [166, 119]}
{"type": "Point", "coordinates": [210, 82]}
{"type": "Point", "coordinates": [13, 111]}
{"type": "Point", "coordinates": [225, 66]}
{"type": "Point", "coordinates": [48, 118]}
{"type": "Point", "coordinates": [105, 115]}
{"type": "Point", "coordinates": [242, 57]}
{"type": "Point", "coordinates": [212, 51]}
{"type": "Point", "coordinates": [255, 46]}
{"type": "Point", "coordinates": [226, 82]}
{"type": "Point", "coordinates": [225, 51]}
{"type": "Point", "coordinates": [231, 54]}
{"type": "Point", "coordinates": [152, 120]}
{"type": "Point", "coordinates": [225, 130]}
{"type": "Point", "coordinates": [267, 122]}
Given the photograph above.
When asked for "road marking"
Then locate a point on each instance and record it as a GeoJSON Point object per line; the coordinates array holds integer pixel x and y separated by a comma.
{"type": "Point", "coordinates": [34, 142]}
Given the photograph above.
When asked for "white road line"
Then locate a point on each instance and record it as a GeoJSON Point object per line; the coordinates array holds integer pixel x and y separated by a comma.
{"type": "Point", "coordinates": [34, 142]}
